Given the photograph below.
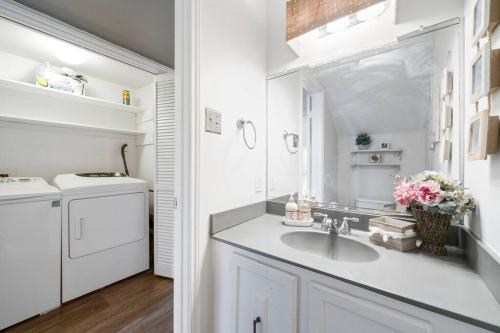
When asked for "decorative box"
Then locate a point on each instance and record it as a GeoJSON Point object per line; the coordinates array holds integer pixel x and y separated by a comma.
{"type": "Point", "coordinates": [393, 233]}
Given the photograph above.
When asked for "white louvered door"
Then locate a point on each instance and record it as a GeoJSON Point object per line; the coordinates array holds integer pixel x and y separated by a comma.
{"type": "Point", "coordinates": [165, 176]}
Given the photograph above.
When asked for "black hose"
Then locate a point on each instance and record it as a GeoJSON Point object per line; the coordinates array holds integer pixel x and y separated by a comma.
{"type": "Point", "coordinates": [124, 159]}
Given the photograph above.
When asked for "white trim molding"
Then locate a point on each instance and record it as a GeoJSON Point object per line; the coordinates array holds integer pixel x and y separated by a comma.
{"type": "Point", "coordinates": [28, 17]}
{"type": "Point", "coordinates": [186, 248]}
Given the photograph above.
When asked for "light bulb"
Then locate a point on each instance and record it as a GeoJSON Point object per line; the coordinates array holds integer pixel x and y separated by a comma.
{"type": "Point", "coordinates": [371, 12]}
{"type": "Point", "coordinates": [338, 25]}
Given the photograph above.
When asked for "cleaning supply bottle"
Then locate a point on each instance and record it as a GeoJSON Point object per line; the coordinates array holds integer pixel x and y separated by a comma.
{"type": "Point", "coordinates": [292, 209]}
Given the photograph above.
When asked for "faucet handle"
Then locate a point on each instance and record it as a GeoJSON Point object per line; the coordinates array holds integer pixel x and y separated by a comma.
{"type": "Point", "coordinates": [326, 223]}
{"type": "Point", "coordinates": [345, 228]}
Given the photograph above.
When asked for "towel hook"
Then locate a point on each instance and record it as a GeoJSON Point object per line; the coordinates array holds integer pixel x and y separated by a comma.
{"type": "Point", "coordinates": [241, 124]}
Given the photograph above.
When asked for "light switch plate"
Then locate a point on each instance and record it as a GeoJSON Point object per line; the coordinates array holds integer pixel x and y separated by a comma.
{"type": "Point", "coordinates": [213, 121]}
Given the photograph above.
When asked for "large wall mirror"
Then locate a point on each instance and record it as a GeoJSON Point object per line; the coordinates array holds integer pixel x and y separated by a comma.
{"type": "Point", "coordinates": [404, 96]}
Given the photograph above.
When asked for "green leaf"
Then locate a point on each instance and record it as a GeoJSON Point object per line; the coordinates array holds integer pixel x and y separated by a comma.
{"type": "Point", "coordinates": [448, 207]}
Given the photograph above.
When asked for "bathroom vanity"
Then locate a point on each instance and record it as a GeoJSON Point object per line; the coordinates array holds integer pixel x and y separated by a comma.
{"type": "Point", "coordinates": [405, 100]}
{"type": "Point", "coordinates": [306, 280]}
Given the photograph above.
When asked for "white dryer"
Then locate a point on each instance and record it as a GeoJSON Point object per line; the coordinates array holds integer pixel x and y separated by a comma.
{"type": "Point", "coordinates": [30, 249]}
{"type": "Point", "coordinates": [105, 230]}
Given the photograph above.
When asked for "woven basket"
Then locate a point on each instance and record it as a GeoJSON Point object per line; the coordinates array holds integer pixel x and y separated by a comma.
{"type": "Point", "coordinates": [433, 228]}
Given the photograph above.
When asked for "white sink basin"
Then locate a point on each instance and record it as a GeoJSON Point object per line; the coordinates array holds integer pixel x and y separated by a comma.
{"type": "Point", "coordinates": [332, 247]}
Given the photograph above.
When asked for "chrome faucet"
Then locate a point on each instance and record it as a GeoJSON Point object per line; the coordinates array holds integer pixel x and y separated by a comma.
{"type": "Point", "coordinates": [327, 224]}
{"type": "Point", "coordinates": [345, 228]}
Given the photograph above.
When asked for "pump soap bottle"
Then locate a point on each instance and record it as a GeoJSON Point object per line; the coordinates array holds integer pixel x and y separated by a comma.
{"type": "Point", "coordinates": [292, 209]}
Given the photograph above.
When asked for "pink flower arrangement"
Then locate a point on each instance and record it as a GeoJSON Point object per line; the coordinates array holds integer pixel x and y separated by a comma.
{"type": "Point", "coordinates": [433, 192]}
{"type": "Point", "coordinates": [427, 193]}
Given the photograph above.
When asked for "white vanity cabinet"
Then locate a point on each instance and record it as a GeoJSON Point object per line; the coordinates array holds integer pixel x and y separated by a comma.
{"type": "Point", "coordinates": [291, 299]}
{"type": "Point", "coordinates": [265, 298]}
{"type": "Point", "coordinates": [331, 310]}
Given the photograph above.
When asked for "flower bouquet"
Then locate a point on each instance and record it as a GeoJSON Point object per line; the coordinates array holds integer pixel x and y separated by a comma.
{"type": "Point", "coordinates": [434, 200]}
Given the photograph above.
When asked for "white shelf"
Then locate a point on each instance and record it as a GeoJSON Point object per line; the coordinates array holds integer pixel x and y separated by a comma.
{"type": "Point", "coordinates": [21, 120]}
{"type": "Point", "coordinates": [32, 89]}
{"type": "Point", "coordinates": [377, 151]}
{"type": "Point", "coordinates": [377, 164]}
{"type": "Point", "coordinates": [355, 165]}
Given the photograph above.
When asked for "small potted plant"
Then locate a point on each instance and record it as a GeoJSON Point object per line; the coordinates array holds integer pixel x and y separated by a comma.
{"type": "Point", "coordinates": [363, 140]}
{"type": "Point", "coordinates": [434, 201]}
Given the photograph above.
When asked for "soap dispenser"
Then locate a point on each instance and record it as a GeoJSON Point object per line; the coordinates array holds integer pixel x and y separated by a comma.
{"type": "Point", "coordinates": [292, 209]}
{"type": "Point", "coordinates": [305, 209]}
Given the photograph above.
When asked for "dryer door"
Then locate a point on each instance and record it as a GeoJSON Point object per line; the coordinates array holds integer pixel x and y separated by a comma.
{"type": "Point", "coordinates": [101, 223]}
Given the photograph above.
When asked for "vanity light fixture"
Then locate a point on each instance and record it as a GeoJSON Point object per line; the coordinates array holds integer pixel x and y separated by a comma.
{"type": "Point", "coordinates": [361, 16]}
{"type": "Point", "coordinates": [338, 25]}
{"type": "Point", "coordinates": [304, 16]}
{"type": "Point", "coordinates": [371, 12]}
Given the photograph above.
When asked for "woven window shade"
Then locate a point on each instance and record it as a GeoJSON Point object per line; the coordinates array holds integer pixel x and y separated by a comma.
{"type": "Point", "coordinates": [305, 15]}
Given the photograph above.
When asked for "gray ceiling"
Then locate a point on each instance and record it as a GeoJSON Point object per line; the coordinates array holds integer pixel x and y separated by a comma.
{"type": "Point", "coordinates": [145, 27]}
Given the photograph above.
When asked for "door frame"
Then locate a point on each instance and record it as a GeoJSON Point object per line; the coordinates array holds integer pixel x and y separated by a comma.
{"type": "Point", "coordinates": [187, 82]}
{"type": "Point", "coordinates": [186, 270]}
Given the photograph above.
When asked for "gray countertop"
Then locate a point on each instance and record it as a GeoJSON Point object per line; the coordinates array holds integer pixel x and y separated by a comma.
{"type": "Point", "coordinates": [445, 285]}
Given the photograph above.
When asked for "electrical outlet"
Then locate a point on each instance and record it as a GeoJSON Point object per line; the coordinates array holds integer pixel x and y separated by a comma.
{"type": "Point", "coordinates": [272, 185]}
{"type": "Point", "coordinates": [213, 121]}
{"type": "Point", "coordinates": [258, 183]}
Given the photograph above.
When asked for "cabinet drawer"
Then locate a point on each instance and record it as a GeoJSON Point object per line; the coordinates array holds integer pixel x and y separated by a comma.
{"type": "Point", "coordinates": [331, 310]}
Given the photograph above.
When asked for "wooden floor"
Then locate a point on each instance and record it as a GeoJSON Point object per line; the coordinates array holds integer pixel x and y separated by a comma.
{"type": "Point", "coordinates": [142, 303]}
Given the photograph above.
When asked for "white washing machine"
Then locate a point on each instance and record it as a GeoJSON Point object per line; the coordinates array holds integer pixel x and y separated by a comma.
{"type": "Point", "coordinates": [105, 230]}
{"type": "Point", "coordinates": [30, 249]}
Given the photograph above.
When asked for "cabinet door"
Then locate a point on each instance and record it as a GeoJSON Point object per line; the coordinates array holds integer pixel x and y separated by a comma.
{"type": "Point", "coordinates": [331, 310]}
{"type": "Point", "coordinates": [265, 293]}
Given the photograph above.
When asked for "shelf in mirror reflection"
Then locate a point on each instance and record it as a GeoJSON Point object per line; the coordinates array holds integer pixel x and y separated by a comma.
{"type": "Point", "coordinates": [377, 151]}
{"type": "Point", "coordinates": [354, 166]}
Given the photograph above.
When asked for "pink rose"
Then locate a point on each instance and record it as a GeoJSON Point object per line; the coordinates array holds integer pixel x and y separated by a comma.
{"type": "Point", "coordinates": [429, 193]}
{"type": "Point", "coordinates": [405, 193]}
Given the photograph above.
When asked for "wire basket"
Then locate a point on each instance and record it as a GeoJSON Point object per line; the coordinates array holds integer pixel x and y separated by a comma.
{"type": "Point", "coordinates": [433, 229]}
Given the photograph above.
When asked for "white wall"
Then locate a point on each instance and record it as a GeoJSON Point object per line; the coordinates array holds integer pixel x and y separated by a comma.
{"type": "Point", "coordinates": [232, 78]}
{"type": "Point", "coordinates": [330, 159]}
{"type": "Point", "coordinates": [482, 177]}
{"type": "Point", "coordinates": [284, 110]}
{"type": "Point", "coordinates": [377, 182]}
{"type": "Point", "coordinates": [410, 15]}
{"type": "Point", "coordinates": [446, 53]}
{"type": "Point", "coordinates": [27, 150]}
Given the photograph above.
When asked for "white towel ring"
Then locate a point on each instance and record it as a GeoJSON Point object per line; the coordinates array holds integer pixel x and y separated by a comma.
{"type": "Point", "coordinates": [241, 124]}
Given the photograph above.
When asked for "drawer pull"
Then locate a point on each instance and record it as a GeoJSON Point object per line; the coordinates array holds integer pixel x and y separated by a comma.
{"type": "Point", "coordinates": [255, 322]}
